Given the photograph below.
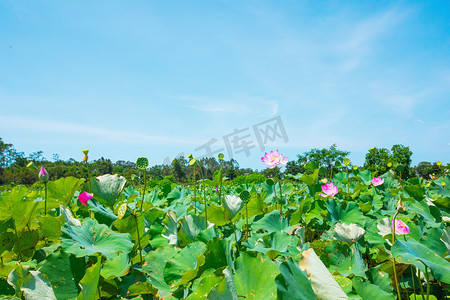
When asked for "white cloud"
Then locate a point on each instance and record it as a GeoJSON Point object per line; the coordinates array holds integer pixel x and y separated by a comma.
{"type": "Point", "coordinates": [101, 134]}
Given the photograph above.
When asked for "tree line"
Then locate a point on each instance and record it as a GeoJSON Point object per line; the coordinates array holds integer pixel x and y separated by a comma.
{"type": "Point", "coordinates": [14, 170]}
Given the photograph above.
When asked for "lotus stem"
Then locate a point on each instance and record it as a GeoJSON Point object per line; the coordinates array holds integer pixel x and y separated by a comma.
{"type": "Point", "coordinates": [139, 238]}
{"type": "Point", "coordinates": [428, 282]}
{"type": "Point", "coordinates": [281, 198]}
{"type": "Point", "coordinates": [45, 203]}
{"type": "Point", "coordinates": [393, 259]}
{"type": "Point", "coordinates": [143, 190]}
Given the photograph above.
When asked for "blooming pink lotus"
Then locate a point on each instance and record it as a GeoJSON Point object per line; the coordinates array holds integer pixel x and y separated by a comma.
{"type": "Point", "coordinates": [274, 159]}
{"type": "Point", "coordinates": [376, 181]}
{"type": "Point", "coordinates": [400, 227]}
{"type": "Point", "coordinates": [43, 174]}
{"type": "Point", "coordinates": [84, 197]}
{"type": "Point", "coordinates": [329, 190]}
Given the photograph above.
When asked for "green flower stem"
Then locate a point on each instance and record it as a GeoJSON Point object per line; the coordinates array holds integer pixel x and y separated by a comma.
{"type": "Point", "coordinates": [421, 288]}
{"type": "Point", "coordinates": [281, 198]}
{"type": "Point", "coordinates": [143, 190]}
{"type": "Point", "coordinates": [428, 282]}
{"type": "Point", "coordinates": [348, 188]}
{"type": "Point", "coordinates": [246, 218]}
{"type": "Point", "coordinates": [139, 238]}
{"type": "Point", "coordinates": [89, 177]}
{"type": "Point", "coordinates": [220, 181]}
{"type": "Point", "coordinates": [204, 197]}
{"type": "Point", "coordinates": [275, 196]}
{"type": "Point", "coordinates": [393, 259]}
{"type": "Point", "coordinates": [17, 242]}
{"type": "Point", "coordinates": [45, 203]}
{"type": "Point", "coordinates": [195, 191]}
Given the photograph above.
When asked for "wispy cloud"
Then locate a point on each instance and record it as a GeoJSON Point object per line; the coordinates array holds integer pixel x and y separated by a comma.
{"type": "Point", "coordinates": [357, 38]}
{"type": "Point", "coordinates": [32, 126]}
{"type": "Point", "coordinates": [237, 105]}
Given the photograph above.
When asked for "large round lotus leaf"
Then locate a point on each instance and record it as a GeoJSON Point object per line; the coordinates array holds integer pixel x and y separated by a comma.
{"type": "Point", "coordinates": [107, 188]}
{"type": "Point", "coordinates": [61, 191]}
{"type": "Point", "coordinates": [155, 261]}
{"type": "Point", "coordinates": [344, 259]}
{"type": "Point", "coordinates": [419, 255]}
{"type": "Point", "coordinates": [36, 287]}
{"type": "Point", "coordinates": [351, 214]}
{"type": "Point", "coordinates": [368, 290]}
{"type": "Point", "coordinates": [293, 283]}
{"type": "Point", "coordinates": [271, 222]}
{"type": "Point", "coordinates": [255, 277]}
{"type": "Point", "coordinates": [233, 205]}
{"type": "Point", "coordinates": [184, 266]}
{"type": "Point", "coordinates": [64, 272]}
{"type": "Point", "coordinates": [91, 237]}
{"type": "Point", "coordinates": [322, 282]}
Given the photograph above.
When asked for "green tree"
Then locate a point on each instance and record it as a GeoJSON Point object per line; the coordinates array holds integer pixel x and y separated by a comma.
{"type": "Point", "coordinates": [377, 160]}
{"type": "Point", "coordinates": [323, 157]}
{"type": "Point", "coordinates": [402, 155]}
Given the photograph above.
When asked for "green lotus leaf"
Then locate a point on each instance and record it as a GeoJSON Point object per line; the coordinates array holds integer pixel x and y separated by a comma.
{"type": "Point", "coordinates": [61, 191]}
{"type": "Point", "coordinates": [184, 266]}
{"type": "Point", "coordinates": [64, 272]}
{"type": "Point", "coordinates": [191, 226]}
{"type": "Point", "coordinates": [271, 222]}
{"type": "Point", "coordinates": [116, 267]}
{"type": "Point", "coordinates": [102, 215]}
{"type": "Point", "coordinates": [232, 204]}
{"type": "Point", "coordinates": [322, 282]}
{"type": "Point", "coordinates": [36, 287]}
{"type": "Point", "coordinates": [415, 253]}
{"type": "Point", "coordinates": [293, 283]}
{"type": "Point", "coordinates": [351, 214]}
{"type": "Point", "coordinates": [107, 188]}
{"type": "Point", "coordinates": [344, 259]}
{"type": "Point", "coordinates": [91, 238]}
{"type": "Point", "coordinates": [155, 261]}
{"type": "Point", "coordinates": [368, 290]}
{"type": "Point", "coordinates": [255, 277]}
{"type": "Point", "coordinates": [89, 283]}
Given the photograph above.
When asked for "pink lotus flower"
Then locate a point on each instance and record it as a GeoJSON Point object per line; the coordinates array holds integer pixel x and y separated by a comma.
{"type": "Point", "coordinates": [376, 181]}
{"type": "Point", "coordinates": [43, 174]}
{"type": "Point", "coordinates": [84, 197]}
{"type": "Point", "coordinates": [400, 227]}
{"type": "Point", "coordinates": [274, 159]}
{"type": "Point", "coordinates": [329, 190]}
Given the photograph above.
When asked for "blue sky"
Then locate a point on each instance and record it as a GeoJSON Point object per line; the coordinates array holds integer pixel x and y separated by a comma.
{"type": "Point", "coordinates": [158, 78]}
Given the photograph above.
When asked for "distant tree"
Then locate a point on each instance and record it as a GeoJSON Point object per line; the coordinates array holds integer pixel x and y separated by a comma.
{"type": "Point", "coordinates": [323, 157]}
{"type": "Point", "coordinates": [178, 170]}
{"type": "Point", "coordinates": [424, 169]}
{"type": "Point", "coordinates": [293, 167]}
{"type": "Point", "coordinates": [377, 160]}
{"type": "Point", "coordinates": [380, 160]}
{"type": "Point", "coordinates": [402, 155]}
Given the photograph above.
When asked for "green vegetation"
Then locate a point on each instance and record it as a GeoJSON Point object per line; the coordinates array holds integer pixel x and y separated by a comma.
{"type": "Point", "coordinates": [106, 237]}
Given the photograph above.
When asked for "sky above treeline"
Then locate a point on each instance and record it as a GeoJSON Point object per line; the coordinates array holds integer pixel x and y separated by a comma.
{"type": "Point", "coordinates": [160, 79]}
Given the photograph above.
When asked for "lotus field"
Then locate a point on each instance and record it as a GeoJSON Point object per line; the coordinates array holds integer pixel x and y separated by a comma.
{"type": "Point", "coordinates": [348, 235]}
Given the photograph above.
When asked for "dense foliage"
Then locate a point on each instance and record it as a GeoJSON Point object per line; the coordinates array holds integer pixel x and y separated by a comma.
{"type": "Point", "coordinates": [302, 237]}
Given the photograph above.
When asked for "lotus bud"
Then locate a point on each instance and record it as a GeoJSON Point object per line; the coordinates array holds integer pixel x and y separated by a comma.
{"type": "Point", "coordinates": [43, 175]}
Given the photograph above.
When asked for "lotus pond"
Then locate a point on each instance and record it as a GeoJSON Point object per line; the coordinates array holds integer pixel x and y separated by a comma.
{"type": "Point", "coordinates": [295, 238]}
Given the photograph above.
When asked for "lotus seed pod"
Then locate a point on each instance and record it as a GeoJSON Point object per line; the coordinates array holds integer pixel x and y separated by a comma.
{"type": "Point", "coordinates": [346, 161]}
{"type": "Point", "coordinates": [245, 196]}
{"type": "Point", "coordinates": [221, 156]}
{"type": "Point", "coordinates": [193, 162]}
{"type": "Point", "coordinates": [142, 163]}
{"type": "Point", "coordinates": [122, 211]}
{"type": "Point", "coordinates": [270, 181]}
